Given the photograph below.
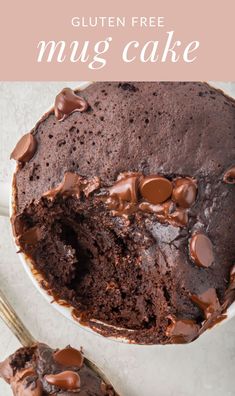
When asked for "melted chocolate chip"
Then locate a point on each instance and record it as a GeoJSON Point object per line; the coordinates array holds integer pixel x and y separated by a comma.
{"type": "Point", "coordinates": [69, 187]}
{"type": "Point", "coordinates": [31, 236]}
{"type": "Point", "coordinates": [155, 189]}
{"type": "Point", "coordinates": [179, 217]}
{"type": "Point", "coordinates": [184, 192]}
{"type": "Point", "coordinates": [67, 102]}
{"type": "Point", "coordinates": [229, 176]}
{"type": "Point", "coordinates": [167, 213]}
{"type": "Point", "coordinates": [26, 383]}
{"type": "Point", "coordinates": [150, 208]}
{"type": "Point", "coordinates": [73, 185]}
{"type": "Point", "coordinates": [69, 357]}
{"type": "Point", "coordinates": [212, 321]}
{"type": "Point", "coordinates": [182, 331]}
{"type": "Point", "coordinates": [201, 250]}
{"type": "Point", "coordinates": [17, 225]}
{"type": "Point", "coordinates": [125, 189]}
{"type": "Point", "coordinates": [28, 372]}
{"type": "Point", "coordinates": [123, 195]}
{"type": "Point", "coordinates": [66, 380]}
{"type": "Point", "coordinates": [91, 185]}
{"type": "Point", "coordinates": [208, 302]}
{"type": "Point", "coordinates": [25, 148]}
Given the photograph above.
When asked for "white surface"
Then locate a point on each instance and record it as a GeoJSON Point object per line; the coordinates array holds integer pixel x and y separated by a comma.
{"type": "Point", "coordinates": [203, 368]}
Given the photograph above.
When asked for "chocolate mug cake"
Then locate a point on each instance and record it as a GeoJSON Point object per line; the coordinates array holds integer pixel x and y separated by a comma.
{"type": "Point", "coordinates": [124, 202]}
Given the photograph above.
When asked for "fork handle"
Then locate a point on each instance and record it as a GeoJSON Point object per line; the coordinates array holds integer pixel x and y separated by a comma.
{"type": "Point", "coordinates": [9, 316]}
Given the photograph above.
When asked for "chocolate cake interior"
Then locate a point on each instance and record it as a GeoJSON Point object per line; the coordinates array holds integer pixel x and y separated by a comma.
{"type": "Point", "coordinates": [93, 258]}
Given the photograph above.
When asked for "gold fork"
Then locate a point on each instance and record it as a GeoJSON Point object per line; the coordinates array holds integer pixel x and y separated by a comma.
{"type": "Point", "coordinates": [14, 323]}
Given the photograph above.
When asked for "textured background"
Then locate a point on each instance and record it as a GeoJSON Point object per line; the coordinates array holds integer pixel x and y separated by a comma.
{"type": "Point", "coordinates": [203, 368]}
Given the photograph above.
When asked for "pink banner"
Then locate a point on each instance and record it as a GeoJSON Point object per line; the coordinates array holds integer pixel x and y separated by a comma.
{"type": "Point", "coordinates": [127, 40]}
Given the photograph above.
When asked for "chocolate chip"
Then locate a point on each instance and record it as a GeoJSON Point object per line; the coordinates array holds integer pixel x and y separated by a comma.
{"type": "Point", "coordinates": [70, 186]}
{"type": "Point", "coordinates": [18, 225]}
{"type": "Point", "coordinates": [201, 250]}
{"type": "Point", "coordinates": [31, 236]}
{"type": "Point", "coordinates": [150, 208]}
{"type": "Point", "coordinates": [73, 185]}
{"type": "Point", "coordinates": [167, 213]}
{"type": "Point", "coordinates": [212, 321]}
{"type": "Point", "coordinates": [91, 185]}
{"type": "Point", "coordinates": [155, 189]}
{"type": "Point", "coordinates": [179, 217]}
{"type": "Point", "coordinates": [66, 380]}
{"type": "Point", "coordinates": [184, 192]}
{"type": "Point", "coordinates": [125, 189]}
{"type": "Point", "coordinates": [229, 176]}
{"type": "Point", "coordinates": [69, 357]}
{"type": "Point", "coordinates": [66, 102]}
{"type": "Point", "coordinates": [182, 331]}
{"type": "Point", "coordinates": [208, 302]}
{"type": "Point", "coordinates": [25, 148]}
{"type": "Point", "coordinates": [123, 195]}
